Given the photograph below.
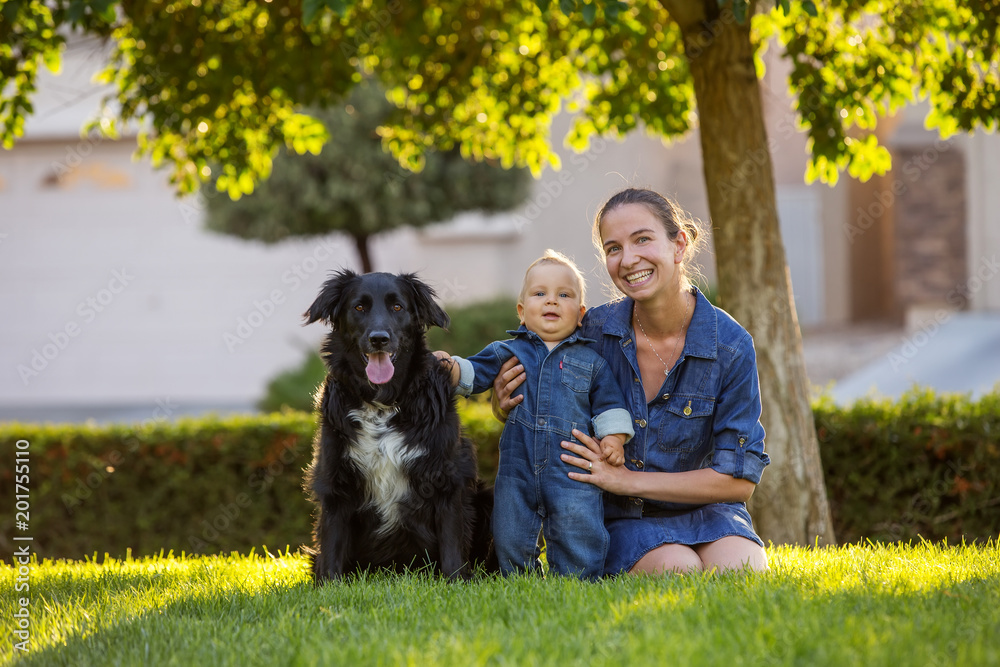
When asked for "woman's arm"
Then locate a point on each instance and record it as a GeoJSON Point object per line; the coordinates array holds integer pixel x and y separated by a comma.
{"type": "Point", "coordinates": [693, 486]}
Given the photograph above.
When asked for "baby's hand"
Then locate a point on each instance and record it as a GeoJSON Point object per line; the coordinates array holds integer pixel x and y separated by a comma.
{"type": "Point", "coordinates": [613, 449]}
{"type": "Point", "coordinates": [446, 361]}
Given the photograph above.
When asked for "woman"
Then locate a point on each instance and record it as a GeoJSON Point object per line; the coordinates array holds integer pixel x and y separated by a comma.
{"type": "Point", "coordinates": [689, 375]}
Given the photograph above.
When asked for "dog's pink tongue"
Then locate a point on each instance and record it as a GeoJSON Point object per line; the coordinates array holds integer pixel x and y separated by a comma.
{"type": "Point", "coordinates": [379, 368]}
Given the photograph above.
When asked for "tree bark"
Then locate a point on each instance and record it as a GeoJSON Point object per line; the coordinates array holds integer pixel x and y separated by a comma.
{"type": "Point", "coordinates": [790, 505]}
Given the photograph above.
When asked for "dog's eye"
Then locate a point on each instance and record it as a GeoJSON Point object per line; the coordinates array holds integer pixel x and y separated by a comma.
{"type": "Point", "coordinates": [359, 308]}
{"type": "Point", "coordinates": [397, 308]}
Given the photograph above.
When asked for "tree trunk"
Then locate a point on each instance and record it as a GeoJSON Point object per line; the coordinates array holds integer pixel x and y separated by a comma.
{"type": "Point", "coordinates": [361, 243]}
{"type": "Point", "coordinates": [790, 505]}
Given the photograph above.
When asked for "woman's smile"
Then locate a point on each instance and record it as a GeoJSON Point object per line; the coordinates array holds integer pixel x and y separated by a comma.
{"type": "Point", "coordinates": [637, 251]}
{"type": "Point", "coordinates": [638, 278]}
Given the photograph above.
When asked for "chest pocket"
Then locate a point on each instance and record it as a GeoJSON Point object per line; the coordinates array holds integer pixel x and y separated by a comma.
{"type": "Point", "coordinates": [687, 422]}
{"type": "Point", "coordinates": [575, 374]}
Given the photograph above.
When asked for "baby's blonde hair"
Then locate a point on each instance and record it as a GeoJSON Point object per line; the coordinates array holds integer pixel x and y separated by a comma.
{"type": "Point", "coordinates": [551, 256]}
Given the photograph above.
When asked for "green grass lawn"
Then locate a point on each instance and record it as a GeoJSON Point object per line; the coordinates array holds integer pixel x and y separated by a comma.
{"type": "Point", "coordinates": [853, 605]}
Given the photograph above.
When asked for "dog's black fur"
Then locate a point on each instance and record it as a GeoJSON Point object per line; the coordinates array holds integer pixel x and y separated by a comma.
{"type": "Point", "coordinates": [394, 481]}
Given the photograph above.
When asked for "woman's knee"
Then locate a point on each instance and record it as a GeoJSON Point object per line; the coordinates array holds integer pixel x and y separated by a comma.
{"type": "Point", "coordinates": [733, 553]}
{"type": "Point", "coordinates": [669, 558]}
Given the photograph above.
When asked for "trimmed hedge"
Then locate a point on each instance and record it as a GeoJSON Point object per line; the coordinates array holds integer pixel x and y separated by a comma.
{"type": "Point", "coordinates": [925, 466]}
{"type": "Point", "coordinates": [195, 485]}
{"type": "Point", "coordinates": [210, 485]}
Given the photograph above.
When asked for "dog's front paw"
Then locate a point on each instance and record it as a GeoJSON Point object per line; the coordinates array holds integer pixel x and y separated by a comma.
{"type": "Point", "coordinates": [461, 573]}
{"type": "Point", "coordinates": [320, 578]}
{"type": "Point", "coordinates": [323, 572]}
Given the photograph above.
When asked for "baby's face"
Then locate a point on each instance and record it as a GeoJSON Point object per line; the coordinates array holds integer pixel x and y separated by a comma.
{"type": "Point", "coordinates": [550, 303]}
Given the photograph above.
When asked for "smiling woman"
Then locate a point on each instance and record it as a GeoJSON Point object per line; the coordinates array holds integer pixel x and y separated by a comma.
{"type": "Point", "coordinates": [689, 376]}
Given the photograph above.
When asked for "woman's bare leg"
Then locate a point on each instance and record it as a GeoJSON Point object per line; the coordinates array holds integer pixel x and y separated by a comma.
{"type": "Point", "coordinates": [669, 558]}
{"type": "Point", "coordinates": [732, 553]}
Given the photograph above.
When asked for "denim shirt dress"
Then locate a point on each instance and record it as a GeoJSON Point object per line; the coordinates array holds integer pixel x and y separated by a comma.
{"type": "Point", "coordinates": [568, 387]}
{"type": "Point", "coordinates": [706, 415]}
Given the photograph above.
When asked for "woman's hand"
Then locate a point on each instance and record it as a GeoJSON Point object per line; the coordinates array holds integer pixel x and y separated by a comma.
{"type": "Point", "coordinates": [593, 468]}
{"type": "Point", "coordinates": [507, 381]}
{"type": "Point", "coordinates": [700, 487]}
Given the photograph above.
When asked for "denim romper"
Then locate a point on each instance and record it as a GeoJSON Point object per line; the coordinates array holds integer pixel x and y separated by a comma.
{"type": "Point", "coordinates": [569, 387]}
{"type": "Point", "coordinates": [706, 415]}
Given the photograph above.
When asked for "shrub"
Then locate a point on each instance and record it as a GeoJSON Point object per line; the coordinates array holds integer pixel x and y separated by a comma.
{"type": "Point", "coordinates": [294, 389]}
{"type": "Point", "coordinates": [927, 465]}
{"type": "Point", "coordinates": [206, 485]}
{"type": "Point", "coordinates": [196, 485]}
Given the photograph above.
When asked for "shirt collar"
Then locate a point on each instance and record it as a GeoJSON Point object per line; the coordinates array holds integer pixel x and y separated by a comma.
{"type": "Point", "coordinates": [702, 338]}
{"type": "Point", "coordinates": [572, 338]}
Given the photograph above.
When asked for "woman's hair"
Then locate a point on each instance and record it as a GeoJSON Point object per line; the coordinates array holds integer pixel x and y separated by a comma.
{"type": "Point", "coordinates": [551, 256]}
{"type": "Point", "coordinates": [671, 216]}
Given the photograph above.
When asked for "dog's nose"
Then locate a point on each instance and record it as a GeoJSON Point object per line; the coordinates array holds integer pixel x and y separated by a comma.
{"type": "Point", "coordinates": [378, 338]}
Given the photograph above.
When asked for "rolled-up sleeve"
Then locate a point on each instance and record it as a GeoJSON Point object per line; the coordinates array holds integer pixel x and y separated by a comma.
{"type": "Point", "coordinates": [479, 370]}
{"type": "Point", "coordinates": [608, 405]}
{"type": "Point", "coordinates": [738, 433]}
{"type": "Point", "coordinates": [616, 420]}
{"type": "Point", "coordinates": [467, 377]}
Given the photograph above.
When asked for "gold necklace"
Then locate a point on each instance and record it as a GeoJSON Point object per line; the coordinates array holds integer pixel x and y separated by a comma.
{"type": "Point", "coordinates": [680, 337]}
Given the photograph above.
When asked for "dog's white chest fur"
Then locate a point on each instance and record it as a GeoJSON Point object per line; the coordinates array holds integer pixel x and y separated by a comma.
{"type": "Point", "coordinates": [379, 452]}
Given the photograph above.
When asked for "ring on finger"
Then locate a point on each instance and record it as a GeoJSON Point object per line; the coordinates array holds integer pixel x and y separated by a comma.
{"type": "Point", "coordinates": [590, 467]}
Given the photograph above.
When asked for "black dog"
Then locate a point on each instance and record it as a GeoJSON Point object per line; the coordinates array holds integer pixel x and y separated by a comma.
{"type": "Point", "coordinates": [395, 483]}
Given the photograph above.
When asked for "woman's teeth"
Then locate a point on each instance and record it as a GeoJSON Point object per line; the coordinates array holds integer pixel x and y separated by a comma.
{"type": "Point", "coordinates": [638, 277]}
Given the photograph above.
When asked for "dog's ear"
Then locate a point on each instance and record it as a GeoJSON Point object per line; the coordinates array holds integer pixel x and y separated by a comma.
{"type": "Point", "coordinates": [429, 314]}
{"type": "Point", "coordinates": [329, 303]}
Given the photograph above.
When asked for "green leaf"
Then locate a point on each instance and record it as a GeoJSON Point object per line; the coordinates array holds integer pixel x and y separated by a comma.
{"type": "Point", "coordinates": [945, 123]}
{"type": "Point", "coordinates": [613, 9]}
{"type": "Point", "coordinates": [739, 8]}
{"type": "Point", "coordinates": [245, 183]}
{"type": "Point", "coordinates": [808, 5]}
{"type": "Point", "coordinates": [10, 11]}
{"type": "Point", "coordinates": [589, 13]}
{"type": "Point", "coordinates": [53, 59]}
{"type": "Point", "coordinates": [310, 8]}
{"type": "Point", "coordinates": [567, 6]}
{"type": "Point", "coordinates": [108, 13]}
{"type": "Point", "coordinates": [76, 10]}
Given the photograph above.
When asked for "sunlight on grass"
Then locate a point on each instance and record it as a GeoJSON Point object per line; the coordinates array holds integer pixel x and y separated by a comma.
{"type": "Point", "coordinates": [858, 604]}
{"type": "Point", "coordinates": [890, 567]}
